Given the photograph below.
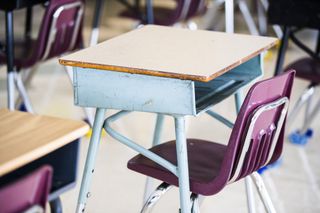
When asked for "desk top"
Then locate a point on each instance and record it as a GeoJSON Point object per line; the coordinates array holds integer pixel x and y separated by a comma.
{"type": "Point", "coordinates": [25, 137]}
{"type": "Point", "coordinates": [171, 52]}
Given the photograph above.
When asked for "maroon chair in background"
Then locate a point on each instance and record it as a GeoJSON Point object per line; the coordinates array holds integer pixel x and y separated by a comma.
{"type": "Point", "coordinates": [28, 194]}
{"type": "Point", "coordinates": [59, 33]}
{"type": "Point", "coordinates": [295, 16]}
{"type": "Point", "coordinates": [183, 11]}
{"type": "Point", "coordinates": [308, 69]}
{"type": "Point", "coordinates": [256, 141]}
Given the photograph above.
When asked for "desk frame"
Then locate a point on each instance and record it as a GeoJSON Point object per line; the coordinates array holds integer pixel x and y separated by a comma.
{"type": "Point", "coordinates": [116, 88]}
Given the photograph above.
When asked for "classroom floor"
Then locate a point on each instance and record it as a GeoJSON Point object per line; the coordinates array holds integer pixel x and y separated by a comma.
{"type": "Point", "coordinates": [294, 184]}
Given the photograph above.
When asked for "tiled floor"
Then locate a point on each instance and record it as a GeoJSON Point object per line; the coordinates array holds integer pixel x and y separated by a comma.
{"type": "Point", "coordinates": [294, 185]}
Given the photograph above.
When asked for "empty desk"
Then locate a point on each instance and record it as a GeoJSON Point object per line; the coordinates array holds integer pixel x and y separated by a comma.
{"type": "Point", "coordinates": [162, 70]}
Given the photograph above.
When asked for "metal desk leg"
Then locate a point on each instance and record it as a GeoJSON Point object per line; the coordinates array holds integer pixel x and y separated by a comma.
{"type": "Point", "coordinates": [91, 158]}
{"type": "Point", "coordinates": [56, 206]}
{"type": "Point", "coordinates": [262, 19]}
{"type": "Point", "coordinates": [282, 50]}
{"type": "Point", "coordinates": [248, 181]}
{"type": "Point", "coordinates": [96, 22]}
{"type": "Point", "coordinates": [248, 17]}
{"type": "Point", "coordinates": [229, 8]}
{"type": "Point", "coordinates": [156, 140]}
{"type": "Point", "coordinates": [182, 159]}
{"type": "Point", "coordinates": [28, 24]}
{"type": "Point", "coordinates": [150, 16]}
{"type": "Point", "coordinates": [10, 59]}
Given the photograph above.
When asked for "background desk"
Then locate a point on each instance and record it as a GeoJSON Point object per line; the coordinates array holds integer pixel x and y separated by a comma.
{"type": "Point", "coordinates": [29, 141]}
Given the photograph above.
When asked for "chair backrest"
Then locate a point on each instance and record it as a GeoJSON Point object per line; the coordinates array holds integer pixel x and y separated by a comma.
{"type": "Point", "coordinates": [257, 137]}
{"type": "Point", "coordinates": [60, 29]}
{"type": "Point", "coordinates": [28, 192]}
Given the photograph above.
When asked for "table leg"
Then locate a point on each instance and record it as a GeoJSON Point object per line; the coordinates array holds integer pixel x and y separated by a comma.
{"type": "Point", "coordinates": [183, 170]}
{"type": "Point", "coordinates": [96, 22]}
{"type": "Point", "coordinates": [229, 13]}
{"type": "Point", "coordinates": [91, 158]}
{"type": "Point", "coordinates": [248, 181]}
{"type": "Point", "coordinates": [282, 50]}
{"type": "Point", "coordinates": [150, 16]}
{"type": "Point", "coordinates": [10, 59]}
{"type": "Point", "coordinates": [156, 140]}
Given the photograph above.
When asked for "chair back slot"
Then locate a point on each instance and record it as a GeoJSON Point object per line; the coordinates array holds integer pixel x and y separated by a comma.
{"type": "Point", "coordinates": [258, 135]}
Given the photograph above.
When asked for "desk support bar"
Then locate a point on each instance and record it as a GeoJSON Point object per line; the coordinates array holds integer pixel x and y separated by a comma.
{"type": "Point", "coordinates": [91, 158]}
{"type": "Point", "coordinates": [220, 118]}
{"type": "Point", "coordinates": [126, 141]}
{"type": "Point", "coordinates": [156, 141]}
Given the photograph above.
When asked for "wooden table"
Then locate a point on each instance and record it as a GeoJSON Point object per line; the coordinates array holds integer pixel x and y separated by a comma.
{"type": "Point", "coordinates": [162, 70]}
{"type": "Point", "coordinates": [25, 137]}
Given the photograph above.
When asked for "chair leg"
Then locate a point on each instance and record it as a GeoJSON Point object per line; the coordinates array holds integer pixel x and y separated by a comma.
{"type": "Point", "coordinates": [56, 205]}
{"type": "Point", "coordinates": [248, 17]}
{"type": "Point", "coordinates": [11, 90]}
{"type": "Point", "coordinates": [195, 203]}
{"type": "Point", "coordinates": [306, 95]}
{"type": "Point", "coordinates": [250, 195]}
{"type": "Point", "coordinates": [23, 92]}
{"type": "Point", "coordinates": [310, 115]}
{"type": "Point", "coordinates": [26, 77]}
{"type": "Point", "coordinates": [155, 196]}
{"type": "Point", "coordinates": [263, 192]}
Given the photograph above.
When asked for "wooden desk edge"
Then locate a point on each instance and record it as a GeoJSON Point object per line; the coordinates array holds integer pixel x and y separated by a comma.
{"type": "Point", "coordinates": [42, 151]}
{"type": "Point", "coordinates": [160, 73]}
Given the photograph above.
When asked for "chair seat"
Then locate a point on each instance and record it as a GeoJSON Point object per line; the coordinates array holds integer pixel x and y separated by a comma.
{"type": "Point", "coordinates": [205, 159]}
{"type": "Point", "coordinates": [306, 68]}
{"type": "Point", "coordinates": [23, 52]}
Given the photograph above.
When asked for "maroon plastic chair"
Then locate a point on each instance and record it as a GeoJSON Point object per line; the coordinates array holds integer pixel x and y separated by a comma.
{"type": "Point", "coordinates": [167, 16]}
{"type": "Point", "coordinates": [256, 141]}
{"type": "Point", "coordinates": [60, 32]}
{"type": "Point", "coordinates": [28, 193]}
{"type": "Point", "coordinates": [308, 69]}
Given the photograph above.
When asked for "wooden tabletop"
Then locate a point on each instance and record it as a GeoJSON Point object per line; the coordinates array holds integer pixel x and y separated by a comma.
{"type": "Point", "coordinates": [171, 52]}
{"type": "Point", "coordinates": [25, 137]}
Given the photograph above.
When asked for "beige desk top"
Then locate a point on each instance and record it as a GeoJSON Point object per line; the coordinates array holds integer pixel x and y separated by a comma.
{"type": "Point", "coordinates": [171, 52]}
{"type": "Point", "coordinates": [25, 137]}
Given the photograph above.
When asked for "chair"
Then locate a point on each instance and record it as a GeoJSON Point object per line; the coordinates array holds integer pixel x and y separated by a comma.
{"type": "Point", "coordinates": [256, 141]}
{"type": "Point", "coordinates": [294, 16]}
{"type": "Point", "coordinates": [28, 194]}
{"type": "Point", "coordinates": [309, 70]}
{"type": "Point", "coordinates": [183, 11]}
{"type": "Point", "coordinates": [60, 32]}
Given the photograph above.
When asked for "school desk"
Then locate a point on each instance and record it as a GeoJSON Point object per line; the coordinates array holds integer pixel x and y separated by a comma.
{"type": "Point", "coordinates": [163, 70]}
{"type": "Point", "coordinates": [28, 141]}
